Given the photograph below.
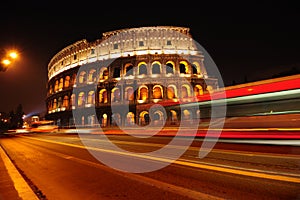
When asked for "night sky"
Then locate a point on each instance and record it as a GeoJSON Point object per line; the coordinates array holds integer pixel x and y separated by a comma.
{"type": "Point", "coordinates": [247, 40]}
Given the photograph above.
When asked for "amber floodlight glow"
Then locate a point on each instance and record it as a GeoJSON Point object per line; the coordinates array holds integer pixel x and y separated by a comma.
{"type": "Point", "coordinates": [13, 54]}
{"type": "Point", "coordinates": [8, 59]}
{"type": "Point", "coordinates": [6, 62]}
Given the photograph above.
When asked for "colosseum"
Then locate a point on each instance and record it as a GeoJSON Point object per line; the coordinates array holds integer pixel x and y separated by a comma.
{"type": "Point", "coordinates": [128, 77]}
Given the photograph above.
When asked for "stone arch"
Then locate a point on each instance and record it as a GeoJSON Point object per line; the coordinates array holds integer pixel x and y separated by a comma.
{"type": "Point", "coordinates": [82, 77]}
{"type": "Point", "coordinates": [81, 99]}
{"type": "Point", "coordinates": [198, 90]}
{"type": "Point", "coordinates": [67, 81]}
{"type": "Point", "coordinates": [173, 117]}
{"type": "Point", "coordinates": [92, 75]}
{"type": "Point", "coordinates": [91, 97]}
{"type": "Point", "coordinates": [130, 119]}
{"type": "Point", "coordinates": [142, 68]}
{"type": "Point", "coordinates": [196, 69]}
{"type": "Point", "coordinates": [61, 84]}
{"type": "Point", "coordinates": [66, 101]}
{"type": "Point", "coordinates": [144, 118]}
{"type": "Point", "coordinates": [103, 96]}
{"type": "Point", "coordinates": [171, 92]}
{"type": "Point", "coordinates": [183, 67]}
{"type": "Point", "coordinates": [185, 91]}
{"type": "Point", "coordinates": [143, 93]}
{"type": "Point", "coordinates": [170, 67]}
{"type": "Point", "coordinates": [116, 94]}
{"type": "Point", "coordinates": [128, 69]}
{"type": "Point", "coordinates": [129, 93]}
{"type": "Point", "coordinates": [157, 92]}
{"type": "Point", "coordinates": [103, 73]}
{"type": "Point", "coordinates": [56, 86]}
{"type": "Point", "coordinates": [156, 68]}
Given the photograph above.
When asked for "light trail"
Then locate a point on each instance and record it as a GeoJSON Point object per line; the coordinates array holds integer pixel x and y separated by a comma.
{"type": "Point", "coordinates": [295, 178]}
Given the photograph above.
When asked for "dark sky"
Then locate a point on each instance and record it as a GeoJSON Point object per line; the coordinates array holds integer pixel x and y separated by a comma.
{"type": "Point", "coordinates": [252, 39]}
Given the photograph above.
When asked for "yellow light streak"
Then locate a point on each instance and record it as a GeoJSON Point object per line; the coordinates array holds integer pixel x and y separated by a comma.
{"type": "Point", "coordinates": [251, 173]}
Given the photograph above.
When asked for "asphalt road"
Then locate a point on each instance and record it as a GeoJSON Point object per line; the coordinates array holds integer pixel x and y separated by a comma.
{"type": "Point", "coordinates": [62, 166]}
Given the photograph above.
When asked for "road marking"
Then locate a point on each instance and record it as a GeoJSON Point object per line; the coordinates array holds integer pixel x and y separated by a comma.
{"type": "Point", "coordinates": [21, 186]}
{"type": "Point", "coordinates": [139, 178]}
{"type": "Point", "coordinates": [228, 169]}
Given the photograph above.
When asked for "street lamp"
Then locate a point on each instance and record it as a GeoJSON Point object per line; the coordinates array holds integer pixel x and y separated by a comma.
{"type": "Point", "coordinates": [7, 58]}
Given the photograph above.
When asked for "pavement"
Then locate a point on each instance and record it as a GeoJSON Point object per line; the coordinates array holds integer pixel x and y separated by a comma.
{"type": "Point", "coordinates": [12, 185]}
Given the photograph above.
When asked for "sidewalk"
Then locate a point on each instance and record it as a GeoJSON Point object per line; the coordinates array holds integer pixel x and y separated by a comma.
{"type": "Point", "coordinates": [12, 184]}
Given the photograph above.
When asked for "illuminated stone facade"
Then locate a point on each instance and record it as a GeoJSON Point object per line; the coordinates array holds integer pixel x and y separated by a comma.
{"type": "Point", "coordinates": [129, 70]}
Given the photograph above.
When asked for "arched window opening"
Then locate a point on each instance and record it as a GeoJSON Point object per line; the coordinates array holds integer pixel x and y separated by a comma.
{"type": "Point", "coordinates": [183, 67]}
{"type": "Point", "coordinates": [210, 89]}
{"type": "Point", "coordinates": [56, 86]}
{"type": "Point", "coordinates": [67, 81]}
{"type": "Point", "coordinates": [157, 92]}
{"type": "Point", "coordinates": [129, 94]}
{"type": "Point", "coordinates": [196, 68]}
{"type": "Point", "coordinates": [143, 93]}
{"type": "Point", "coordinates": [61, 84]}
{"type": "Point", "coordinates": [103, 74]}
{"type": "Point", "coordinates": [169, 68]}
{"type": "Point", "coordinates": [171, 92]}
{"type": "Point", "coordinates": [116, 95]}
{"type": "Point", "coordinates": [54, 104]}
{"type": "Point", "coordinates": [144, 118]}
{"type": "Point", "coordinates": [173, 116]}
{"type": "Point", "coordinates": [103, 96]}
{"type": "Point", "coordinates": [156, 68]}
{"type": "Point", "coordinates": [91, 97]}
{"type": "Point", "coordinates": [186, 115]}
{"type": "Point", "coordinates": [129, 70]}
{"type": "Point", "coordinates": [66, 101]}
{"type": "Point", "coordinates": [184, 91]}
{"type": "Point", "coordinates": [50, 89]}
{"type": "Point", "coordinates": [143, 69]}
{"type": "Point", "coordinates": [81, 99]}
{"type": "Point", "coordinates": [198, 90]}
{"type": "Point", "coordinates": [130, 121]}
{"type": "Point", "coordinates": [158, 118]}
{"type": "Point", "coordinates": [82, 77]}
{"type": "Point", "coordinates": [92, 76]}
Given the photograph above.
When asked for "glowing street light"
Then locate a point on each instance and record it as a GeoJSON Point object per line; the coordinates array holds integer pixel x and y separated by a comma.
{"type": "Point", "coordinates": [13, 54]}
{"type": "Point", "coordinates": [7, 60]}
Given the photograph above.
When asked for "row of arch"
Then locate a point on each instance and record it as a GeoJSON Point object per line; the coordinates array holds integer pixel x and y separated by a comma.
{"type": "Point", "coordinates": [127, 71]}
{"type": "Point", "coordinates": [143, 94]}
{"type": "Point", "coordinates": [143, 118]}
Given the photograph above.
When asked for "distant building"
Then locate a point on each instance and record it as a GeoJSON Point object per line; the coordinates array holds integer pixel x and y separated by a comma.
{"type": "Point", "coordinates": [128, 70]}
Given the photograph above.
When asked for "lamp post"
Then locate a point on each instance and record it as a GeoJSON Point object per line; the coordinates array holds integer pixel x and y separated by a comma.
{"type": "Point", "coordinates": [7, 58]}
